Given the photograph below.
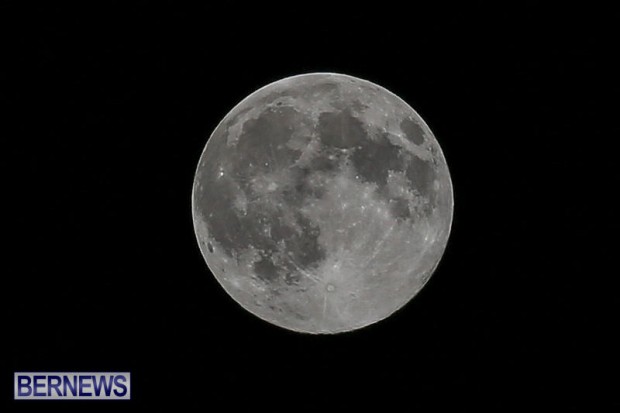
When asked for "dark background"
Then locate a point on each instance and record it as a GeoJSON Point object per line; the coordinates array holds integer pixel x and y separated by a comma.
{"type": "Point", "coordinates": [108, 108]}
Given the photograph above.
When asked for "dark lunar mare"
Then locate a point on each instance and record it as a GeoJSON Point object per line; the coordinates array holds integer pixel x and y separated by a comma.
{"type": "Point", "coordinates": [234, 230]}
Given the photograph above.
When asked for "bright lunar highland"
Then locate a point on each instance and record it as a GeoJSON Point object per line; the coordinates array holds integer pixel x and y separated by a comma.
{"type": "Point", "coordinates": [322, 203]}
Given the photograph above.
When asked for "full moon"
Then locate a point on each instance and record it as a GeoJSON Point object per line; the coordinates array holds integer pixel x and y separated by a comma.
{"type": "Point", "coordinates": [322, 203]}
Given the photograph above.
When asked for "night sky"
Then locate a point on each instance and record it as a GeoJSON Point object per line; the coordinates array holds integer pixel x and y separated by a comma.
{"type": "Point", "coordinates": [108, 108]}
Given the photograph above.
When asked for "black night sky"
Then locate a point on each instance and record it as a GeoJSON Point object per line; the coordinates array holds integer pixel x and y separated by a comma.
{"type": "Point", "coordinates": [108, 108]}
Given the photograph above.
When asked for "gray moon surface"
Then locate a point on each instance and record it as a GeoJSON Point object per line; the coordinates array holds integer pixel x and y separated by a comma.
{"type": "Point", "coordinates": [322, 203]}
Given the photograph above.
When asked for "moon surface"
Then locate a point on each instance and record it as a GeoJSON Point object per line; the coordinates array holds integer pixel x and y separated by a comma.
{"type": "Point", "coordinates": [322, 203]}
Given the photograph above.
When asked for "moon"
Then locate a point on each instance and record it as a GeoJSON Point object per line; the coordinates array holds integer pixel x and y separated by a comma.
{"type": "Point", "coordinates": [322, 203]}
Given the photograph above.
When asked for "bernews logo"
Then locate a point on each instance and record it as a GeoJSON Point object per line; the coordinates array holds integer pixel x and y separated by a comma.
{"type": "Point", "coordinates": [72, 386]}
